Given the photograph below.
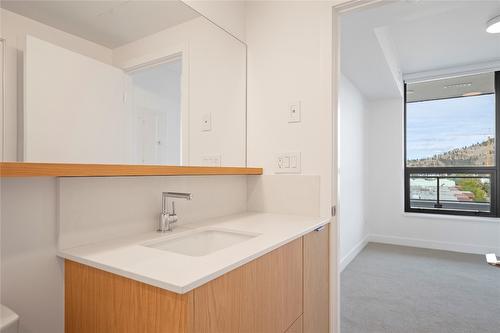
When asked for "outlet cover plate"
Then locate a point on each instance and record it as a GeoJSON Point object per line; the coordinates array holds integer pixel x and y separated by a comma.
{"type": "Point", "coordinates": [288, 163]}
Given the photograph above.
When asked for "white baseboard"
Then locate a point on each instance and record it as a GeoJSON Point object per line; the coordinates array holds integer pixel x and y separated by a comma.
{"type": "Point", "coordinates": [429, 244]}
{"type": "Point", "coordinates": [414, 242]}
{"type": "Point", "coordinates": [346, 260]}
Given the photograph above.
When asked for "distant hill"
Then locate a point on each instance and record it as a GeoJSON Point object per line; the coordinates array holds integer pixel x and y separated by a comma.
{"type": "Point", "coordinates": [479, 154]}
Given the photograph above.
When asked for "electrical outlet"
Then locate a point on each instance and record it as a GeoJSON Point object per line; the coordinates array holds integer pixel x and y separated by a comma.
{"type": "Point", "coordinates": [288, 162]}
{"type": "Point", "coordinates": [294, 112]}
{"type": "Point", "coordinates": [212, 160]}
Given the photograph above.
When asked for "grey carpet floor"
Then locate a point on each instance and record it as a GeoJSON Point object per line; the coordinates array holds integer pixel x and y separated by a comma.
{"type": "Point", "coordinates": [397, 289]}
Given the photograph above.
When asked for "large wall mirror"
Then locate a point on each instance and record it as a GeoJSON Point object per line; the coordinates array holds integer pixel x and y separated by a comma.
{"type": "Point", "coordinates": [121, 82]}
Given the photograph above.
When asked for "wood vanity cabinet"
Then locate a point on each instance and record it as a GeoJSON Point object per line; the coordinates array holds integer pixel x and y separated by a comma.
{"type": "Point", "coordinates": [316, 281]}
{"type": "Point", "coordinates": [285, 290]}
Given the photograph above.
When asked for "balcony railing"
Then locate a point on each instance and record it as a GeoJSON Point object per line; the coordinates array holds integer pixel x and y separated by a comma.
{"type": "Point", "coordinates": [464, 191]}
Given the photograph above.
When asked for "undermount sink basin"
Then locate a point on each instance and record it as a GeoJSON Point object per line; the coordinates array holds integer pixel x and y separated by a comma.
{"type": "Point", "coordinates": [200, 243]}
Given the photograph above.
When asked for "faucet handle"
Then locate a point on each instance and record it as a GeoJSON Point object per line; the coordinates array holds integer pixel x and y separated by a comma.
{"type": "Point", "coordinates": [173, 207]}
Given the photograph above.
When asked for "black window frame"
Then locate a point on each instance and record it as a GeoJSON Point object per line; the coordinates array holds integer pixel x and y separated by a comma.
{"type": "Point", "coordinates": [493, 171]}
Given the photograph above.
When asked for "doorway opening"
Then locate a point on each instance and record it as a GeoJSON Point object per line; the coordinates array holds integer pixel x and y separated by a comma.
{"type": "Point", "coordinates": [156, 106]}
{"type": "Point", "coordinates": [402, 256]}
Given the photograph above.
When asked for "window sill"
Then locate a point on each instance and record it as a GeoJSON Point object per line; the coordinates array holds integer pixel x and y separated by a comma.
{"type": "Point", "coordinates": [452, 217]}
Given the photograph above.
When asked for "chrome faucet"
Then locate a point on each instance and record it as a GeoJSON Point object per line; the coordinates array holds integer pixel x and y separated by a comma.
{"type": "Point", "coordinates": [168, 218]}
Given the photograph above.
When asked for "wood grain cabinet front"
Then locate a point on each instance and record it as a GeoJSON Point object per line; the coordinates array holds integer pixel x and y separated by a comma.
{"type": "Point", "coordinates": [297, 326]}
{"type": "Point", "coordinates": [264, 295]}
{"type": "Point", "coordinates": [275, 293]}
{"type": "Point", "coordinates": [317, 281]}
{"type": "Point", "coordinates": [100, 302]}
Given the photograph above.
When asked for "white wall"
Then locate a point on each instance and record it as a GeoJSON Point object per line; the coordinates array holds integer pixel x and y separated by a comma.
{"type": "Point", "coordinates": [95, 209]}
{"type": "Point", "coordinates": [14, 30]}
{"type": "Point", "coordinates": [284, 194]}
{"type": "Point", "coordinates": [216, 73]}
{"type": "Point", "coordinates": [385, 204]}
{"type": "Point", "coordinates": [352, 164]}
{"type": "Point", "coordinates": [75, 110]}
{"type": "Point", "coordinates": [289, 59]}
{"type": "Point", "coordinates": [2, 68]}
{"type": "Point", "coordinates": [32, 280]}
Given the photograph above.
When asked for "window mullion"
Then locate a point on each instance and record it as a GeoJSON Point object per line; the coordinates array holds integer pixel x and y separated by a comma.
{"type": "Point", "coordinates": [497, 135]}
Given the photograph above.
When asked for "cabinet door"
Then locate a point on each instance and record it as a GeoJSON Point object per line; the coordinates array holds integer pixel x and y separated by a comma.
{"type": "Point", "coordinates": [316, 281]}
{"type": "Point", "coordinates": [262, 296]}
{"type": "Point", "coordinates": [100, 302]}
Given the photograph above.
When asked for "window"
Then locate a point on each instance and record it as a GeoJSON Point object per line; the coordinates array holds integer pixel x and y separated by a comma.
{"type": "Point", "coordinates": [451, 159]}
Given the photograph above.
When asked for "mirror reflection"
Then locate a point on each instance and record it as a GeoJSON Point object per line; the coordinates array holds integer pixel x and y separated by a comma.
{"type": "Point", "coordinates": [121, 82]}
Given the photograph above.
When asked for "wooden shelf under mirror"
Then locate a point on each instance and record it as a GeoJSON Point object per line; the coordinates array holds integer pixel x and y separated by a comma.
{"type": "Point", "coordinates": [17, 169]}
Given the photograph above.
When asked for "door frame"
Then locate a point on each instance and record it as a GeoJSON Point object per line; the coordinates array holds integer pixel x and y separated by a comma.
{"type": "Point", "coordinates": [337, 10]}
{"type": "Point", "coordinates": [180, 51]}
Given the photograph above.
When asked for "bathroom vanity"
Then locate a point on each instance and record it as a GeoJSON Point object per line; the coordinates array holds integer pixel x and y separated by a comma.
{"type": "Point", "coordinates": [104, 98]}
{"type": "Point", "coordinates": [271, 275]}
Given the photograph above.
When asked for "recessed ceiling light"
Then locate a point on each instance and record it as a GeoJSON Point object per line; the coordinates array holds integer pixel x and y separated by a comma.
{"type": "Point", "coordinates": [493, 25]}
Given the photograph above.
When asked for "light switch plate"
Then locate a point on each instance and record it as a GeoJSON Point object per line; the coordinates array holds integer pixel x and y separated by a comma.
{"type": "Point", "coordinates": [294, 112]}
{"type": "Point", "coordinates": [288, 162]}
{"type": "Point", "coordinates": [206, 122]}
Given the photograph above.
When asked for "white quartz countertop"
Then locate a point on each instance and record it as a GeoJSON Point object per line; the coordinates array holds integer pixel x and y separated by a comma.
{"type": "Point", "coordinates": [182, 273]}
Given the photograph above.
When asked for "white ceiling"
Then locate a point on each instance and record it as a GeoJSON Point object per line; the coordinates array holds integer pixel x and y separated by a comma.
{"type": "Point", "coordinates": [412, 37]}
{"type": "Point", "coordinates": [108, 23]}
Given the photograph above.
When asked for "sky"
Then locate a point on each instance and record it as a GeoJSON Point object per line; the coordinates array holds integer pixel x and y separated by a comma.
{"type": "Point", "coordinates": [435, 127]}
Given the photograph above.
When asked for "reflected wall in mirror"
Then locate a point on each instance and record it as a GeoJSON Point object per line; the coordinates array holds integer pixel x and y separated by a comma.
{"type": "Point", "coordinates": [121, 82]}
